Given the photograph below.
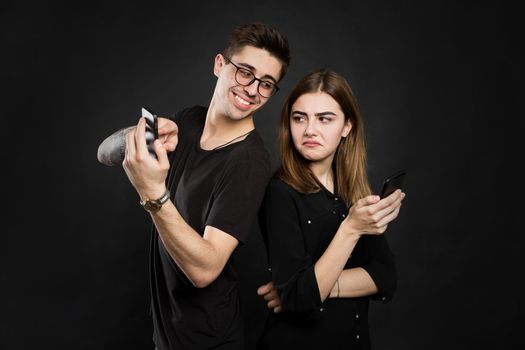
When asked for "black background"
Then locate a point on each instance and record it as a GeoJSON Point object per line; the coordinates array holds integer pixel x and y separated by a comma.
{"type": "Point", "coordinates": [439, 84]}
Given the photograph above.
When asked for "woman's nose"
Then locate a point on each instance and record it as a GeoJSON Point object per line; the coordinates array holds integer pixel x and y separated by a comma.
{"type": "Point", "coordinates": [310, 128]}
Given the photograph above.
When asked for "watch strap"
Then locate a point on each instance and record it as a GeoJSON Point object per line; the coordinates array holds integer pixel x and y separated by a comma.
{"type": "Point", "coordinates": [153, 205]}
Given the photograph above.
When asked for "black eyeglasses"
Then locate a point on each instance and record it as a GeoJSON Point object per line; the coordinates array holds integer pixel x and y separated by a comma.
{"type": "Point", "coordinates": [245, 77]}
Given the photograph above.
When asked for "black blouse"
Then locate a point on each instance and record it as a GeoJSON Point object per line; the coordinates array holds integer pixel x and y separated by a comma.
{"type": "Point", "coordinates": [297, 229]}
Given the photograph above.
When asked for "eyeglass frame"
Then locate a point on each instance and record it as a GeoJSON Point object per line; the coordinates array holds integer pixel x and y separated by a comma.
{"type": "Point", "coordinates": [274, 91]}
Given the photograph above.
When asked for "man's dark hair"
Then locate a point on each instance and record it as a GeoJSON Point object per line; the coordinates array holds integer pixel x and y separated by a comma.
{"type": "Point", "coordinates": [261, 36]}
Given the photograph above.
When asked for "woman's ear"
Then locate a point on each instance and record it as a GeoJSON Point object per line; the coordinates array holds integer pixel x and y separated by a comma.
{"type": "Point", "coordinates": [347, 128]}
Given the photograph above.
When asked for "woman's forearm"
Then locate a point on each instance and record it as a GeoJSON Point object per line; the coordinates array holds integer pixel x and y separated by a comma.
{"type": "Point", "coordinates": [332, 262]}
{"type": "Point", "coordinates": [354, 283]}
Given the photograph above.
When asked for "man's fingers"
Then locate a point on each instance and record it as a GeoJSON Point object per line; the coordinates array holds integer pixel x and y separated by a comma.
{"type": "Point", "coordinates": [140, 138]}
{"type": "Point", "coordinates": [273, 303]}
{"type": "Point", "coordinates": [168, 134]}
{"type": "Point", "coordinates": [165, 123]}
{"type": "Point", "coordinates": [166, 126]}
{"type": "Point", "coordinates": [265, 288]}
{"type": "Point", "coordinates": [162, 155]}
{"type": "Point", "coordinates": [271, 295]}
{"type": "Point", "coordinates": [130, 145]}
{"type": "Point", "coordinates": [277, 309]}
{"type": "Point", "coordinates": [169, 146]}
{"type": "Point", "coordinates": [172, 139]}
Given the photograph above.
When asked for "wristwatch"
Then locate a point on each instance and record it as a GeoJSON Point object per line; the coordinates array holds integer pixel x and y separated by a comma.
{"type": "Point", "coordinates": [154, 205]}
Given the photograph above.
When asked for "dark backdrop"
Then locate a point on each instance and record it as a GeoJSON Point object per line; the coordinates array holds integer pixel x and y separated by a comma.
{"type": "Point", "coordinates": [439, 84]}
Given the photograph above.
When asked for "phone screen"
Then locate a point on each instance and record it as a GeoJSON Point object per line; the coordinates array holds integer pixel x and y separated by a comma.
{"type": "Point", "coordinates": [392, 183]}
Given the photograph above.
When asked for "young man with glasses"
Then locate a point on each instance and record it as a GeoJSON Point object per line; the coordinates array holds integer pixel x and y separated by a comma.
{"type": "Point", "coordinates": [204, 195]}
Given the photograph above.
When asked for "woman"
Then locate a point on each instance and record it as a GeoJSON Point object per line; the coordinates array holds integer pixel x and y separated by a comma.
{"type": "Point", "coordinates": [322, 226]}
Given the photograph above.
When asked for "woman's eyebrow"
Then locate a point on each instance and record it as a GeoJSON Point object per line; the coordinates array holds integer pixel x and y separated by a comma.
{"type": "Point", "coordinates": [320, 114]}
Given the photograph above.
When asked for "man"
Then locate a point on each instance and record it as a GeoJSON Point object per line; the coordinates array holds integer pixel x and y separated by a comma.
{"type": "Point", "coordinates": [203, 197]}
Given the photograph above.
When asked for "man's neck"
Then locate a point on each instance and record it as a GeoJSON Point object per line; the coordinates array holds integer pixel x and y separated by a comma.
{"type": "Point", "coordinates": [219, 129]}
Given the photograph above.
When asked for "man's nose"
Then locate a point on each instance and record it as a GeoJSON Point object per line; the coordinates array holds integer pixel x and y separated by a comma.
{"type": "Point", "coordinates": [252, 88]}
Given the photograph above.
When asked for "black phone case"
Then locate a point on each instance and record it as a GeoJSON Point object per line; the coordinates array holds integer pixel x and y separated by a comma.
{"type": "Point", "coordinates": [392, 183]}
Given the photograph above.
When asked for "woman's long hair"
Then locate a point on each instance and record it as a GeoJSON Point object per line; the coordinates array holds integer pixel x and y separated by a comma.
{"type": "Point", "coordinates": [350, 159]}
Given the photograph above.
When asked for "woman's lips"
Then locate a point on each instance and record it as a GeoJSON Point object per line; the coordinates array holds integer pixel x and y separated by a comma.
{"type": "Point", "coordinates": [311, 144]}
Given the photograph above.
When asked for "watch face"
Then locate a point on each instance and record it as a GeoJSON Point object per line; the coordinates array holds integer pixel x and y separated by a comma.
{"type": "Point", "coordinates": [156, 204]}
{"type": "Point", "coordinates": [152, 206]}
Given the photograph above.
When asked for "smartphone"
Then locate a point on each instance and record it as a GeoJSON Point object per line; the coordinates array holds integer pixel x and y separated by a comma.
{"type": "Point", "coordinates": [392, 183]}
{"type": "Point", "coordinates": [152, 130]}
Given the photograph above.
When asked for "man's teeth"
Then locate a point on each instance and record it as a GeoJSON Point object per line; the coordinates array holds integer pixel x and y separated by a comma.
{"type": "Point", "coordinates": [244, 102]}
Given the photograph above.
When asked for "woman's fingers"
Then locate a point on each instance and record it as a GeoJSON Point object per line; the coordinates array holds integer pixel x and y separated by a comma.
{"type": "Point", "coordinates": [394, 203]}
{"type": "Point", "coordinates": [371, 216]}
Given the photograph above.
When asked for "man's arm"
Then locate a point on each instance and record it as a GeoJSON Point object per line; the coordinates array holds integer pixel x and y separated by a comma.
{"type": "Point", "coordinates": [111, 151]}
{"type": "Point", "coordinates": [201, 258]}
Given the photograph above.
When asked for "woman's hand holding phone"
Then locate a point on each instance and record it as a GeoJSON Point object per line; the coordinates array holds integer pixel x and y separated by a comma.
{"type": "Point", "coordinates": [372, 214]}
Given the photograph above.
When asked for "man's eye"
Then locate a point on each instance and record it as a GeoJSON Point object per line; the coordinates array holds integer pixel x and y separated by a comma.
{"type": "Point", "coordinates": [245, 73]}
{"type": "Point", "coordinates": [267, 85]}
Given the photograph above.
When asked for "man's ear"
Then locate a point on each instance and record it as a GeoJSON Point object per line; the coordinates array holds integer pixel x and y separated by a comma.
{"type": "Point", "coordinates": [218, 64]}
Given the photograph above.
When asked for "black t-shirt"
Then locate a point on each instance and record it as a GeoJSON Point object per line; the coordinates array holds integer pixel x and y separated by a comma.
{"type": "Point", "coordinates": [222, 188]}
{"type": "Point", "coordinates": [298, 229]}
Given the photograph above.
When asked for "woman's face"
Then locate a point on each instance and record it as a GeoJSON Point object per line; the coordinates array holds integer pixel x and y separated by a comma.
{"type": "Point", "coordinates": [317, 124]}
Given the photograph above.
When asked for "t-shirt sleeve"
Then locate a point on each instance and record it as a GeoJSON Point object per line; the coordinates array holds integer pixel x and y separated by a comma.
{"type": "Point", "coordinates": [183, 114]}
{"type": "Point", "coordinates": [292, 266]}
{"type": "Point", "coordinates": [238, 194]}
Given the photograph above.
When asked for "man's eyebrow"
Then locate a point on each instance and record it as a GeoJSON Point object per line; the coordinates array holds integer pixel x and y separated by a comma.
{"type": "Point", "coordinates": [252, 68]}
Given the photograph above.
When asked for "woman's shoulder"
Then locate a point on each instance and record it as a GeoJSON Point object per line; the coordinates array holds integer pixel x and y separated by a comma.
{"type": "Point", "coordinates": [277, 185]}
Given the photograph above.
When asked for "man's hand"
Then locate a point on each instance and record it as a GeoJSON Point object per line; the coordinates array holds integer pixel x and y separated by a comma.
{"type": "Point", "coordinates": [168, 133]}
{"type": "Point", "coordinates": [112, 150]}
{"type": "Point", "coordinates": [146, 173]}
{"type": "Point", "coordinates": [269, 293]}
